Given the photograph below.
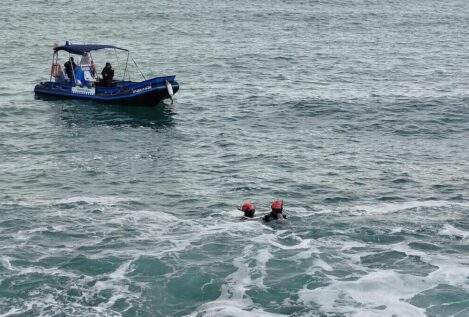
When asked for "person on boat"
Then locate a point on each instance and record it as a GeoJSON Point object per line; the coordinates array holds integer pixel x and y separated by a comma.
{"type": "Point", "coordinates": [276, 213]}
{"type": "Point", "coordinates": [70, 68]}
{"type": "Point", "coordinates": [94, 73]}
{"type": "Point", "coordinates": [108, 74]}
{"type": "Point", "coordinates": [249, 209]}
{"type": "Point", "coordinates": [57, 73]}
{"type": "Point", "coordinates": [85, 59]}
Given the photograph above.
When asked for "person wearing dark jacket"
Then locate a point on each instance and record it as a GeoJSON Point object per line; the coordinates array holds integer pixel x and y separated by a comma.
{"type": "Point", "coordinates": [70, 68]}
{"type": "Point", "coordinates": [108, 74]}
{"type": "Point", "coordinates": [276, 213]}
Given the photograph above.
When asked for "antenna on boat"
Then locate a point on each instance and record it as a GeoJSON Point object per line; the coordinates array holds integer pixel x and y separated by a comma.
{"type": "Point", "coordinates": [138, 69]}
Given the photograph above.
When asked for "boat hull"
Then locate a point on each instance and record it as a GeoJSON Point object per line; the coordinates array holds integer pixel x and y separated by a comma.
{"type": "Point", "coordinates": [146, 93]}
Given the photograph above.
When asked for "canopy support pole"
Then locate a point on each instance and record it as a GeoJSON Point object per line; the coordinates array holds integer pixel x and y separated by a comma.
{"type": "Point", "coordinates": [126, 64]}
{"type": "Point", "coordinates": [53, 58]}
{"type": "Point", "coordinates": [73, 70]}
{"type": "Point", "coordinates": [95, 71]}
{"type": "Point", "coordinates": [117, 58]}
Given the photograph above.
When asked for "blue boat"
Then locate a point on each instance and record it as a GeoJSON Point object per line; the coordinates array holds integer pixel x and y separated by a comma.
{"type": "Point", "coordinates": [81, 81]}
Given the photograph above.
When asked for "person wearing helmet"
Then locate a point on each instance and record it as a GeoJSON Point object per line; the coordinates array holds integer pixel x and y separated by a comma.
{"type": "Point", "coordinates": [276, 213]}
{"type": "Point", "coordinates": [249, 209]}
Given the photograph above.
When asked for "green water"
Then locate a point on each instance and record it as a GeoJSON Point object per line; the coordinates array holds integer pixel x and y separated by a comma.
{"type": "Point", "coordinates": [356, 114]}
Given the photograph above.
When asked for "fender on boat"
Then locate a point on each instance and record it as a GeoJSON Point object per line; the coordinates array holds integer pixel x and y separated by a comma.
{"type": "Point", "coordinates": [169, 88]}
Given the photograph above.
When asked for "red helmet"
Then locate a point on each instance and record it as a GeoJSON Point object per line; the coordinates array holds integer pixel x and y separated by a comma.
{"type": "Point", "coordinates": [248, 207]}
{"type": "Point", "coordinates": [277, 205]}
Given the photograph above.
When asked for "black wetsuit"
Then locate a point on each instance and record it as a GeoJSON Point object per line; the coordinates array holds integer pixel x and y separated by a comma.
{"type": "Point", "coordinates": [108, 75]}
{"type": "Point", "coordinates": [273, 216]}
{"type": "Point", "coordinates": [248, 214]}
{"type": "Point", "coordinates": [246, 218]}
{"type": "Point", "coordinates": [69, 68]}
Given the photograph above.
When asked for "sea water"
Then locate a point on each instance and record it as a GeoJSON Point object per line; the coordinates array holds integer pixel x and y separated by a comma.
{"type": "Point", "coordinates": [355, 113]}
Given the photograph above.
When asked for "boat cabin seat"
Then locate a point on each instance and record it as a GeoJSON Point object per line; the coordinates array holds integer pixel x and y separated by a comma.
{"type": "Point", "coordinates": [88, 73]}
{"type": "Point", "coordinates": [81, 77]}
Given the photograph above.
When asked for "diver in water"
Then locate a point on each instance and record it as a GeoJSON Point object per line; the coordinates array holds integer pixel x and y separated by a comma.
{"type": "Point", "coordinates": [249, 209]}
{"type": "Point", "coordinates": [276, 213]}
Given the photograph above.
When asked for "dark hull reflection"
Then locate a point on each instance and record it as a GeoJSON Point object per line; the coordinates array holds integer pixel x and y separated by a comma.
{"type": "Point", "coordinates": [89, 114]}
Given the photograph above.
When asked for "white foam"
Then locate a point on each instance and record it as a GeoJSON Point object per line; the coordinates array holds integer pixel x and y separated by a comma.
{"type": "Point", "coordinates": [103, 200]}
{"type": "Point", "coordinates": [122, 270]}
{"type": "Point", "coordinates": [451, 270]}
{"type": "Point", "coordinates": [323, 265]}
{"type": "Point", "coordinates": [45, 301]}
{"type": "Point", "coordinates": [449, 230]}
{"type": "Point", "coordinates": [302, 245]}
{"type": "Point", "coordinates": [238, 281]}
{"type": "Point", "coordinates": [23, 235]}
{"type": "Point", "coordinates": [6, 263]}
{"type": "Point", "coordinates": [305, 254]}
{"type": "Point", "coordinates": [174, 235]}
{"type": "Point", "coordinates": [302, 210]}
{"type": "Point", "coordinates": [116, 282]}
{"type": "Point", "coordinates": [375, 289]}
{"type": "Point", "coordinates": [18, 311]}
{"type": "Point", "coordinates": [381, 208]}
{"type": "Point", "coordinates": [99, 200]}
{"type": "Point", "coordinates": [386, 208]}
{"type": "Point", "coordinates": [116, 279]}
{"type": "Point", "coordinates": [227, 308]}
{"type": "Point", "coordinates": [14, 312]}
{"type": "Point", "coordinates": [315, 210]}
{"type": "Point", "coordinates": [385, 287]}
{"type": "Point", "coordinates": [347, 245]}
{"type": "Point", "coordinates": [397, 230]}
{"type": "Point", "coordinates": [47, 271]}
{"type": "Point", "coordinates": [112, 300]}
{"type": "Point", "coordinates": [39, 229]}
{"type": "Point", "coordinates": [233, 300]}
{"type": "Point", "coordinates": [263, 256]}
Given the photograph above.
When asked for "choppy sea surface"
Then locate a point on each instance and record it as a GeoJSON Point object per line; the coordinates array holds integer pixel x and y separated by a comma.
{"type": "Point", "coordinates": [355, 113]}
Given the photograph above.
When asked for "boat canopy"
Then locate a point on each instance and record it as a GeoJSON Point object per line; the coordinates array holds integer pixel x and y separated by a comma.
{"type": "Point", "coordinates": [82, 48]}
